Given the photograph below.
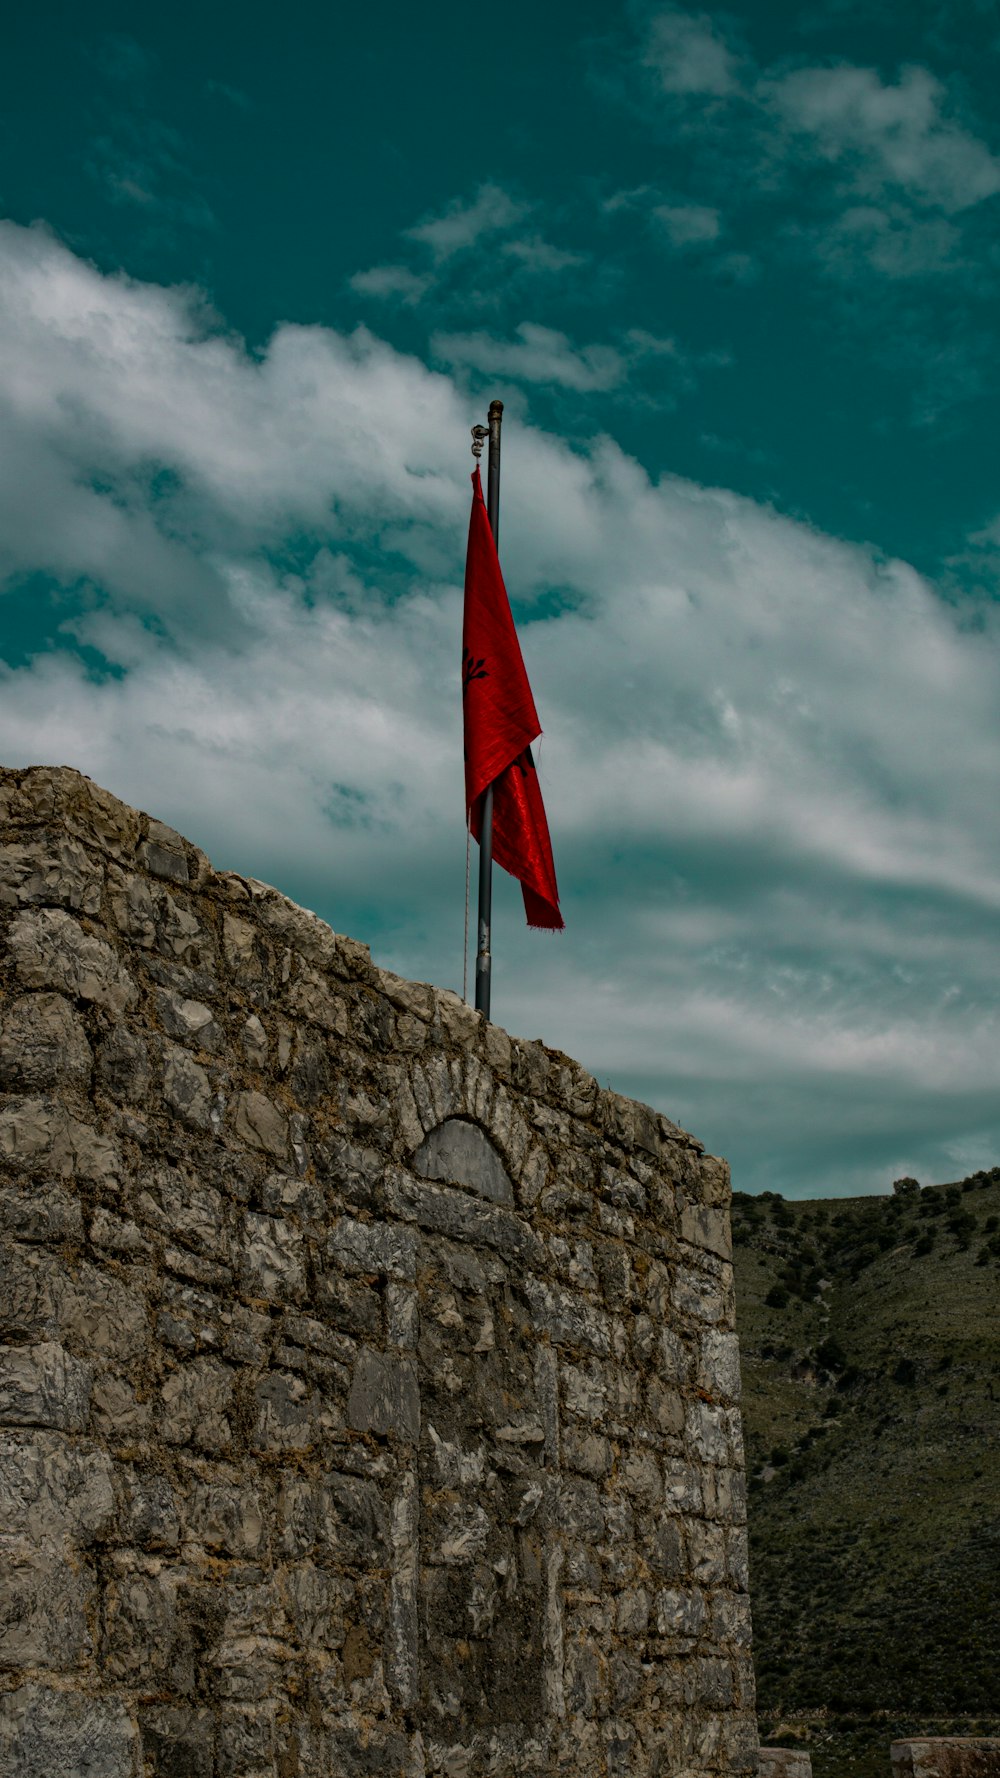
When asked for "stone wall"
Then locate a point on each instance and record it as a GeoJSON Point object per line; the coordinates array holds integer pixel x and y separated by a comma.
{"type": "Point", "coordinates": [368, 1389]}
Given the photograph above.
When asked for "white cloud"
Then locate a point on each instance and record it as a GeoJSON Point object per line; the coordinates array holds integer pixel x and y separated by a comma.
{"type": "Point", "coordinates": [886, 134]}
{"type": "Point", "coordinates": [769, 757]}
{"type": "Point", "coordinates": [537, 255]}
{"type": "Point", "coordinates": [462, 225]}
{"type": "Point", "coordinates": [543, 355]}
{"type": "Point", "coordinates": [687, 53]}
{"type": "Point", "coordinates": [448, 253]}
{"type": "Point", "coordinates": [536, 355]}
{"type": "Point", "coordinates": [905, 170]}
{"type": "Point", "coordinates": [391, 282]}
{"type": "Point", "coordinates": [687, 225]}
{"type": "Point", "coordinates": [889, 239]}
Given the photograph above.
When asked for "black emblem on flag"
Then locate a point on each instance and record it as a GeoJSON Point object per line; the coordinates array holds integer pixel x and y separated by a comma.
{"type": "Point", "coordinates": [471, 669]}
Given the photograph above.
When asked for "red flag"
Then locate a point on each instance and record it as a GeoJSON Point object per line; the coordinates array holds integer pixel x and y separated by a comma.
{"type": "Point", "coordinates": [500, 724]}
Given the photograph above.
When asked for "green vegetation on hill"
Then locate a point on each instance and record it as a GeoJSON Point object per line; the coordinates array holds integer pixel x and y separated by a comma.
{"type": "Point", "coordinates": [870, 1338]}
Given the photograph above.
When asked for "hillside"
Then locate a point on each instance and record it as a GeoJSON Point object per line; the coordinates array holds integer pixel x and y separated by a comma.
{"type": "Point", "coordinates": [870, 1335]}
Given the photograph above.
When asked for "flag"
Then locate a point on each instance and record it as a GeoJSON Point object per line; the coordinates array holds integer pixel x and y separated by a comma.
{"type": "Point", "coordinates": [500, 724]}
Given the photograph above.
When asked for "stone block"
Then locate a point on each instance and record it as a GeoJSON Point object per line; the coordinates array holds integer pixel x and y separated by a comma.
{"type": "Point", "coordinates": [707, 1553]}
{"type": "Point", "coordinates": [713, 1181]}
{"type": "Point", "coordinates": [51, 950]}
{"type": "Point", "coordinates": [699, 1296]}
{"type": "Point", "coordinates": [139, 1622]}
{"type": "Point", "coordinates": [941, 1756]}
{"type": "Point", "coordinates": [682, 1486]}
{"type": "Point", "coordinates": [738, 1559]}
{"type": "Point", "coordinates": [187, 1089]}
{"type": "Point", "coordinates": [40, 1134]}
{"type": "Point", "coordinates": [641, 1476]}
{"type": "Point", "coordinates": [228, 1517]}
{"type": "Point", "coordinates": [65, 1734]}
{"type": "Point", "coordinates": [567, 1317]}
{"type": "Point", "coordinates": [44, 1385]}
{"type": "Point", "coordinates": [178, 1742]}
{"type": "Point", "coordinates": [298, 928]}
{"type": "Point", "coordinates": [315, 1599]}
{"type": "Point", "coordinates": [177, 1204]}
{"type": "Point", "coordinates": [342, 1516]}
{"type": "Point", "coordinates": [707, 1226]}
{"type": "Point", "coordinates": [258, 1122]}
{"type": "Point", "coordinates": [161, 922]}
{"type": "Point", "coordinates": [51, 1489]}
{"type": "Point", "coordinates": [150, 1517]}
{"type": "Point", "coordinates": [458, 1151]}
{"type": "Point", "coordinates": [374, 1247]}
{"type": "Point", "coordinates": [254, 1041]}
{"type": "Point", "coordinates": [248, 1743]}
{"type": "Point", "coordinates": [707, 1431]}
{"type": "Point", "coordinates": [118, 1415]}
{"type": "Point", "coordinates": [415, 998]}
{"type": "Point", "coordinates": [52, 871]}
{"type": "Point", "coordinates": [680, 1611]}
{"type": "Point", "coordinates": [291, 1414]}
{"type": "Point", "coordinates": [28, 1285]}
{"type": "Point", "coordinates": [632, 1612]}
{"type": "Point", "coordinates": [384, 1395]}
{"type": "Point", "coordinates": [163, 854]}
{"type": "Point", "coordinates": [123, 1064]}
{"type": "Point", "coordinates": [786, 1762]}
{"type": "Point", "coordinates": [313, 998]}
{"type": "Point", "coordinates": [445, 1211]}
{"type": "Point", "coordinates": [45, 1598]}
{"type": "Point", "coordinates": [665, 1407]}
{"type": "Point", "coordinates": [40, 1213]}
{"type": "Point", "coordinates": [196, 1405]}
{"type": "Point", "coordinates": [271, 1258]}
{"type": "Point", "coordinates": [101, 1314]}
{"type": "Point", "coordinates": [43, 1044]}
{"type": "Point", "coordinates": [719, 1365]}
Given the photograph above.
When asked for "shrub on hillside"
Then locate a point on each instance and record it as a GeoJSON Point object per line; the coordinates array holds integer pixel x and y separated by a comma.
{"type": "Point", "coordinates": [831, 1355]}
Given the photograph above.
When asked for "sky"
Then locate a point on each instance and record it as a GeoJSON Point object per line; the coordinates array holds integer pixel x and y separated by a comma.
{"type": "Point", "coordinates": [735, 275]}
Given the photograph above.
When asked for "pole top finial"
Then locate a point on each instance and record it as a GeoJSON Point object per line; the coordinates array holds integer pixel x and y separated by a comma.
{"type": "Point", "coordinates": [496, 409]}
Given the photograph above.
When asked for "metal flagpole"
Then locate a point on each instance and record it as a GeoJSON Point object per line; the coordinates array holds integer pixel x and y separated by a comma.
{"type": "Point", "coordinates": [484, 961]}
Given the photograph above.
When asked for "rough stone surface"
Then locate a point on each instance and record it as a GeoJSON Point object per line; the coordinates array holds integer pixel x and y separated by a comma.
{"type": "Point", "coordinates": [368, 1379]}
{"type": "Point", "coordinates": [458, 1150]}
{"type": "Point", "coordinates": [942, 1756]}
{"type": "Point", "coordinates": [785, 1762]}
{"type": "Point", "coordinates": [66, 1734]}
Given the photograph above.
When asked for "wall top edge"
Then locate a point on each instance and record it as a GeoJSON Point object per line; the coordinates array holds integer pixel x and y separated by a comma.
{"type": "Point", "coordinates": [41, 797]}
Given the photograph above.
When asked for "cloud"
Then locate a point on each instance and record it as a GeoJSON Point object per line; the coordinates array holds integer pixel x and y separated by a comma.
{"type": "Point", "coordinates": [462, 225]}
{"type": "Point", "coordinates": [687, 225]}
{"type": "Point", "coordinates": [894, 173]}
{"type": "Point", "coordinates": [401, 284]}
{"type": "Point", "coordinates": [141, 162]}
{"type": "Point", "coordinates": [392, 283]}
{"type": "Point", "coordinates": [537, 255]}
{"type": "Point", "coordinates": [535, 355]}
{"type": "Point", "coordinates": [653, 369]}
{"type": "Point", "coordinates": [469, 255]}
{"type": "Point", "coordinates": [886, 238]}
{"type": "Point", "coordinates": [686, 53]}
{"type": "Point", "coordinates": [885, 135]}
{"type": "Point", "coordinates": [767, 754]}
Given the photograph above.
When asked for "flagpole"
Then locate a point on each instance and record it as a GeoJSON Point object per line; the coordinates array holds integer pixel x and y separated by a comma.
{"type": "Point", "coordinates": [484, 960]}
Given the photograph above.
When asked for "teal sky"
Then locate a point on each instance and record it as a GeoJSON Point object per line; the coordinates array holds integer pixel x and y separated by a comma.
{"type": "Point", "coordinates": [735, 274]}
